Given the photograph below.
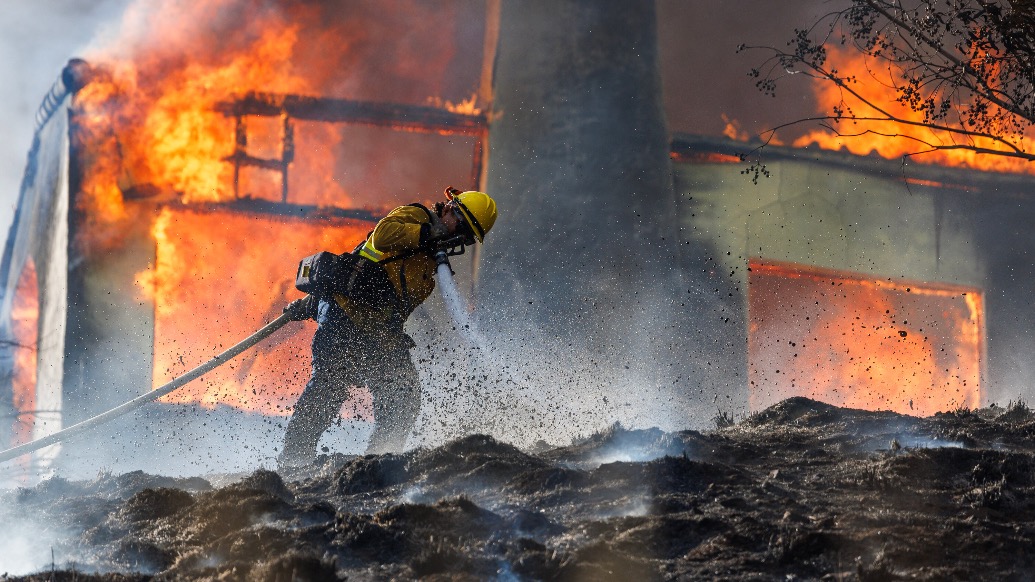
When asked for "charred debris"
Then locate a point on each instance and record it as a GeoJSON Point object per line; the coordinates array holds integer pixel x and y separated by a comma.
{"type": "Point", "coordinates": [801, 490]}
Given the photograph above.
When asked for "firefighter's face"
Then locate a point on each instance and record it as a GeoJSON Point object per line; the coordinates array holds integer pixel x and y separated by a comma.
{"type": "Point", "coordinates": [454, 220]}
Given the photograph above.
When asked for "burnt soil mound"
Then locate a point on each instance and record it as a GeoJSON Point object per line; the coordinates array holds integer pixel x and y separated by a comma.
{"type": "Point", "coordinates": [802, 490]}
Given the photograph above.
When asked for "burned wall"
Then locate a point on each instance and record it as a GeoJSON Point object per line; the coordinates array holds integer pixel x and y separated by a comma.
{"type": "Point", "coordinates": [859, 215]}
{"type": "Point", "coordinates": [109, 334]}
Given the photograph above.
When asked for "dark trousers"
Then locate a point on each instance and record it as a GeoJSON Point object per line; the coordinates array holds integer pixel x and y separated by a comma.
{"type": "Point", "coordinates": [344, 356]}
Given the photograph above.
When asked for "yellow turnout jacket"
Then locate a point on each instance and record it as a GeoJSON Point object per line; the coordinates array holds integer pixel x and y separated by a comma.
{"type": "Point", "coordinates": [413, 277]}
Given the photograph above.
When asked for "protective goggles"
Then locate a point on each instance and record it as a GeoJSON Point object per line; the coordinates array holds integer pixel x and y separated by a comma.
{"type": "Point", "coordinates": [464, 228]}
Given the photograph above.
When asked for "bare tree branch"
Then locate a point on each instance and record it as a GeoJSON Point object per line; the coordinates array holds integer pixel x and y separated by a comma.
{"type": "Point", "coordinates": [936, 46]}
{"type": "Point", "coordinates": [965, 68]}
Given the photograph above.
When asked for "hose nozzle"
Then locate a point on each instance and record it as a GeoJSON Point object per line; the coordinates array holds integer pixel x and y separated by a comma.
{"type": "Point", "coordinates": [442, 258]}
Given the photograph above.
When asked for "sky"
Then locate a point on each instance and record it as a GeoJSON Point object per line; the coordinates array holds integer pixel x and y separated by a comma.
{"type": "Point", "coordinates": [37, 37]}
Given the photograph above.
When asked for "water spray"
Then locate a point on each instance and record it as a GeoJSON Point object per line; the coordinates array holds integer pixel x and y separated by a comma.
{"type": "Point", "coordinates": [462, 317]}
{"type": "Point", "coordinates": [454, 303]}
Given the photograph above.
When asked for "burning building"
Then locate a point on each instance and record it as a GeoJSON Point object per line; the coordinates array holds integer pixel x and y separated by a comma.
{"type": "Point", "coordinates": [167, 201]}
{"type": "Point", "coordinates": [858, 281]}
{"type": "Point", "coordinates": [145, 168]}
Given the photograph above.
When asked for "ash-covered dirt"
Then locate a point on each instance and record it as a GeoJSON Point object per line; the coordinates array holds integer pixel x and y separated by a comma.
{"type": "Point", "coordinates": [802, 490]}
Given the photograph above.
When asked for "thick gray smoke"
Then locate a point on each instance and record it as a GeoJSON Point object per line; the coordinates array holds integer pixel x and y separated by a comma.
{"type": "Point", "coordinates": [706, 81]}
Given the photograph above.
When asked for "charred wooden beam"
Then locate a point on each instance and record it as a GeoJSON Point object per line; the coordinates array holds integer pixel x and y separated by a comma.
{"type": "Point", "coordinates": [242, 159]}
{"type": "Point", "coordinates": [418, 118]}
{"type": "Point", "coordinates": [279, 209]}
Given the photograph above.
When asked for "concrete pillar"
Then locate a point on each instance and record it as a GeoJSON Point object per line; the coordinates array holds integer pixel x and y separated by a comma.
{"type": "Point", "coordinates": [583, 255]}
{"type": "Point", "coordinates": [578, 156]}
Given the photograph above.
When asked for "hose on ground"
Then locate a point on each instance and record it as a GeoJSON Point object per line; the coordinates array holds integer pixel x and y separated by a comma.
{"type": "Point", "coordinates": [261, 334]}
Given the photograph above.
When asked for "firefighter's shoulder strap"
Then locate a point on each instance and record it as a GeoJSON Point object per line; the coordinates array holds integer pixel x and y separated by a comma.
{"type": "Point", "coordinates": [431, 218]}
{"type": "Point", "coordinates": [359, 275]}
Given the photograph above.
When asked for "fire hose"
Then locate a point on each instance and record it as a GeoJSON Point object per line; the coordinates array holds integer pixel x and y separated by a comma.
{"type": "Point", "coordinates": [291, 313]}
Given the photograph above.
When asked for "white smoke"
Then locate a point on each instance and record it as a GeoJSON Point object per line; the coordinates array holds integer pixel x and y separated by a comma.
{"type": "Point", "coordinates": [28, 543]}
{"type": "Point", "coordinates": [524, 387]}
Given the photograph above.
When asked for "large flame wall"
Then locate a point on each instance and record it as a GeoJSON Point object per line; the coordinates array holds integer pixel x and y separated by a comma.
{"type": "Point", "coordinates": [862, 342]}
{"type": "Point", "coordinates": [878, 84]}
{"type": "Point", "coordinates": [168, 65]}
{"type": "Point", "coordinates": [219, 276]}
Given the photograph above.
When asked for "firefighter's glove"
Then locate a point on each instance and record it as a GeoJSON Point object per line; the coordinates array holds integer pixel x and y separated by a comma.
{"type": "Point", "coordinates": [437, 232]}
{"type": "Point", "coordinates": [432, 235]}
{"type": "Point", "coordinates": [302, 309]}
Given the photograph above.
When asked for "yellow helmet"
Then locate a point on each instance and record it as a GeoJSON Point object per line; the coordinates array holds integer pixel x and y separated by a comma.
{"type": "Point", "coordinates": [478, 208]}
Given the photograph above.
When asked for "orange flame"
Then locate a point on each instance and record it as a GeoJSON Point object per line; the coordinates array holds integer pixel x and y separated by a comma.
{"type": "Point", "coordinates": [467, 106]}
{"type": "Point", "coordinates": [25, 314]}
{"type": "Point", "coordinates": [152, 112]}
{"type": "Point", "coordinates": [211, 291]}
{"type": "Point", "coordinates": [890, 139]}
{"type": "Point", "coordinates": [170, 137]}
{"type": "Point", "coordinates": [733, 130]}
{"type": "Point", "coordinates": [851, 341]}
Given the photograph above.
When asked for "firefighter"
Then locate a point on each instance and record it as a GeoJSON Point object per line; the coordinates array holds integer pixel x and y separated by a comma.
{"type": "Point", "coordinates": [363, 343]}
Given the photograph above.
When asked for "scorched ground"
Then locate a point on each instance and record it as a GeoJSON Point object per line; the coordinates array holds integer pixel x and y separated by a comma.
{"type": "Point", "coordinates": [802, 490]}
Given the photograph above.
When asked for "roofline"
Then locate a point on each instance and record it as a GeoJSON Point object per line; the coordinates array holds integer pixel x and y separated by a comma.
{"type": "Point", "coordinates": [691, 148]}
